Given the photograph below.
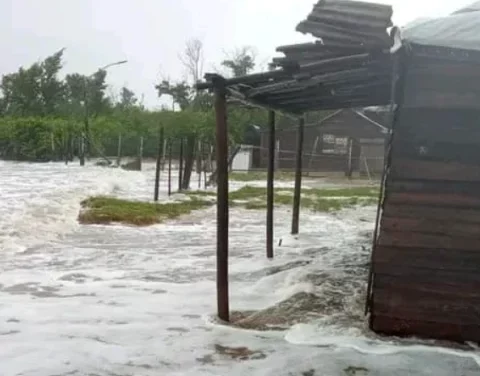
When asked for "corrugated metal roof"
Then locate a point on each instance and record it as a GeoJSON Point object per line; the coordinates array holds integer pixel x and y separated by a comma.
{"type": "Point", "coordinates": [349, 22]}
{"type": "Point", "coordinates": [470, 8]}
{"type": "Point", "coordinates": [460, 30]}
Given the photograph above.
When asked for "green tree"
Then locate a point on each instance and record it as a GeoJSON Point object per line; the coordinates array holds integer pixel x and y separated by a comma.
{"type": "Point", "coordinates": [241, 62]}
{"type": "Point", "coordinates": [52, 89]}
{"type": "Point", "coordinates": [181, 92]}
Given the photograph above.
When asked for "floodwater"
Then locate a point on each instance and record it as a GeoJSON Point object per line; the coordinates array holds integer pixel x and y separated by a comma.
{"type": "Point", "coordinates": [118, 300]}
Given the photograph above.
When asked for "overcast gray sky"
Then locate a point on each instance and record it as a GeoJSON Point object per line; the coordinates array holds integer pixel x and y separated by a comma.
{"type": "Point", "coordinates": [151, 33]}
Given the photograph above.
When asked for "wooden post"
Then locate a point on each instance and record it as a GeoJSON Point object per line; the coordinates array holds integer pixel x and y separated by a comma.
{"type": "Point", "coordinates": [119, 151]}
{"type": "Point", "coordinates": [277, 156]}
{"type": "Point", "coordinates": [82, 150]}
{"type": "Point", "coordinates": [222, 200]}
{"type": "Point", "coordinates": [159, 164]}
{"type": "Point", "coordinates": [65, 148]}
{"type": "Point", "coordinates": [205, 165]}
{"type": "Point", "coordinates": [349, 172]}
{"type": "Point", "coordinates": [298, 178]}
{"type": "Point", "coordinates": [52, 140]}
{"type": "Point", "coordinates": [170, 167]}
{"type": "Point", "coordinates": [180, 166]}
{"type": "Point", "coordinates": [164, 157]}
{"type": "Point", "coordinates": [199, 163]}
{"type": "Point", "coordinates": [140, 156]}
{"type": "Point", "coordinates": [270, 179]}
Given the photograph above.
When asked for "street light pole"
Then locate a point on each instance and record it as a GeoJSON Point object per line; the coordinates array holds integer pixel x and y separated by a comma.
{"type": "Point", "coordinates": [85, 140]}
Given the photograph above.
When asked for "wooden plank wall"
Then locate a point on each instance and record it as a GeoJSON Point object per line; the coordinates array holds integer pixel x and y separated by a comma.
{"type": "Point", "coordinates": [426, 262]}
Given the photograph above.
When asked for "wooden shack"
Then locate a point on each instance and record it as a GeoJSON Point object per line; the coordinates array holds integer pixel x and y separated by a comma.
{"type": "Point", "coordinates": [424, 279]}
{"type": "Point", "coordinates": [426, 258]}
{"type": "Point", "coordinates": [346, 140]}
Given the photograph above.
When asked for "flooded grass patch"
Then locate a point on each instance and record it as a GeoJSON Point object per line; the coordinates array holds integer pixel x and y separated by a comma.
{"type": "Point", "coordinates": [260, 175]}
{"type": "Point", "coordinates": [106, 210]}
{"type": "Point", "coordinates": [315, 199]}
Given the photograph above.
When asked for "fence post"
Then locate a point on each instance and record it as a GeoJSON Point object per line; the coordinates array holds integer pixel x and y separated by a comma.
{"type": "Point", "coordinates": [169, 167]}
{"type": "Point", "coordinates": [349, 172]}
{"type": "Point", "coordinates": [180, 167]}
{"type": "Point", "coordinates": [140, 156]}
{"type": "Point", "coordinates": [82, 150]}
{"type": "Point", "coordinates": [298, 178]}
{"type": "Point", "coordinates": [119, 150]}
{"type": "Point", "coordinates": [159, 164]}
{"type": "Point", "coordinates": [199, 163]}
{"type": "Point", "coordinates": [270, 182]}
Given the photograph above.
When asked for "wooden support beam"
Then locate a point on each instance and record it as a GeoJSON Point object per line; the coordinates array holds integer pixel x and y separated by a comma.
{"type": "Point", "coordinates": [270, 180]}
{"type": "Point", "coordinates": [140, 154]}
{"type": "Point", "coordinates": [222, 200]}
{"type": "Point", "coordinates": [119, 150]}
{"type": "Point", "coordinates": [298, 178]}
{"type": "Point", "coordinates": [180, 166]}
{"type": "Point", "coordinates": [169, 167]}
{"type": "Point", "coordinates": [81, 154]}
{"type": "Point", "coordinates": [159, 164]}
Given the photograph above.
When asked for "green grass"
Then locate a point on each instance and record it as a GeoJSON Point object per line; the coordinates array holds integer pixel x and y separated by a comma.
{"type": "Point", "coordinates": [260, 175]}
{"type": "Point", "coordinates": [317, 199]}
{"type": "Point", "coordinates": [105, 210]}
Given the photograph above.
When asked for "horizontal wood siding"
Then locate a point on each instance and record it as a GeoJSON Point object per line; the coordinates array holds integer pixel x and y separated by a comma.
{"type": "Point", "coordinates": [345, 124]}
{"type": "Point", "coordinates": [426, 262]}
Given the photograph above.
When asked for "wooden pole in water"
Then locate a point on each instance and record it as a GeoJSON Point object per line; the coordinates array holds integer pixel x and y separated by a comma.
{"type": "Point", "coordinates": [180, 166]}
{"type": "Point", "coordinates": [349, 158]}
{"type": "Point", "coordinates": [169, 167]}
{"type": "Point", "coordinates": [82, 150]}
{"type": "Point", "coordinates": [222, 200]}
{"type": "Point", "coordinates": [159, 164]}
{"type": "Point", "coordinates": [298, 178]}
{"type": "Point", "coordinates": [164, 157]}
{"type": "Point", "coordinates": [199, 163]}
{"type": "Point", "coordinates": [205, 164]}
{"type": "Point", "coordinates": [270, 182]}
{"type": "Point", "coordinates": [119, 150]}
{"type": "Point", "coordinates": [140, 157]}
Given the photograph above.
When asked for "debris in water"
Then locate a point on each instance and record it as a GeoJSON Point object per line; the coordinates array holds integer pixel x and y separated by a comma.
{"type": "Point", "coordinates": [356, 371]}
{"type": "Point", "coordinates": [299, 308]}
{"type": "Point", "coordinates": [239, 353]}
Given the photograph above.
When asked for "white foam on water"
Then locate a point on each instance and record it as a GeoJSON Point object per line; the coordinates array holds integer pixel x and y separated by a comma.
{"type": "Point", "coordinates": [318, 335]}
{"type": "Point", "coordinates": [40, 202]}
{"type": "Point", "coordinates": [122, 300]}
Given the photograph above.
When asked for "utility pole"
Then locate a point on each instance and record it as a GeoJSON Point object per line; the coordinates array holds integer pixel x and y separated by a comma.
{"type": "Point", "coordinates": [85, 141]}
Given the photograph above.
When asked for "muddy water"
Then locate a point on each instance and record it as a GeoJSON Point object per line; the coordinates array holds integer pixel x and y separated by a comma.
{"type": "Point", "coordinates": [114, 300]}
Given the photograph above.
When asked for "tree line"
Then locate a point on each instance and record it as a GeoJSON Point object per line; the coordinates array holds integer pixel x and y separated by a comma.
{"type": "Point", "coordinates": [43, 116]}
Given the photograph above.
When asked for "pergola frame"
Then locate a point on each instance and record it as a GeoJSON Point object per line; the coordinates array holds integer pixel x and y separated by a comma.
{"type": "Point", "coordinates": [350, 67]}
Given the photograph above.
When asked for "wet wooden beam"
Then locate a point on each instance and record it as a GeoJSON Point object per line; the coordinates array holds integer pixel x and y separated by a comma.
{"type": "Point", "coordinates": [390, 260]}
{"type": "Point", "coordinates": [434, 199]}
{"type": "Point", "coordinates": [431, 226]}
{"type": "Point", "coordinates": [298, 178]}
{"type": "Point", "coordinates": [222, 200]}
{"type": "Point", "coordinates": [180, 166]}
{"type": "Point", "coordinates": [427, 170]}
{"type": "Point", "coordinates": [270, 182]}
{"type": "Point", "coordinates": [464, 215]}
{"type": "Point", "coordinates": [406, 327]}
{"type": "Point", "coordinates": [158, 164]}
{"type": "Point", "coordinates": [169, 167]}
{"type": "Point", "coordinates": [421, 240]}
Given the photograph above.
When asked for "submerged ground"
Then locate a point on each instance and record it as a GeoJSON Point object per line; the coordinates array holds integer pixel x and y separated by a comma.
{"type": "Point", "coordinates": [123, 300]}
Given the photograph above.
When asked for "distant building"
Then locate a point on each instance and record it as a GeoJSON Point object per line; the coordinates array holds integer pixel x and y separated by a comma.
{"type": "Point", "coordinates": [350, 141]}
